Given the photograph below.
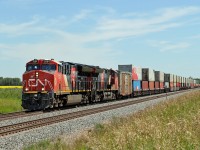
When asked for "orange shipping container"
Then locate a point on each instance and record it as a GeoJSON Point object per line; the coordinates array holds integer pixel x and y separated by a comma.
{"type": "Point", "coordinates": [145, 85]}
{"type": "Point", "coordinates": [171, 86]}
{"type": "Point", "coordinates": [161, 85]}
{"type": "Point", "coordinates": [157, 85]}
{"type": "Point", "coordinates": [151, 85]}
{"type": "Point", "coordinates": [177, 84]}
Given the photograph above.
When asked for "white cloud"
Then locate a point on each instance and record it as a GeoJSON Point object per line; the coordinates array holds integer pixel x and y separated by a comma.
{"type": "Point", "coordinates": [105, 28]}
{"type": "Point", "coordinates": [18, 29]}
{"type": "Point", "coordinates": [162, 20]}
{"type": "Point", "coordinates": [167, 46]}
{"type": "Point", "coordinates": [82, 15]}
{"type": "Point", "coordinates": [63, 43]}
{"type": "Point", "coordinates": [195, 37]}
{"type": "Point", "coordinates": [60, 50]}
{"type": "Point", "coordinates": [175, 47]}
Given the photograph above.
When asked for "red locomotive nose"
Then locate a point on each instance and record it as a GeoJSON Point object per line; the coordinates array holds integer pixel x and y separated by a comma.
{"type": "Point", "coordinates": [38, 80]}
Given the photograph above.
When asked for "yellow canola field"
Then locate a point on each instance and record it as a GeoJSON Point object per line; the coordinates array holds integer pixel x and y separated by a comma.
{"type": "Point", "coordinates": [10, 87]}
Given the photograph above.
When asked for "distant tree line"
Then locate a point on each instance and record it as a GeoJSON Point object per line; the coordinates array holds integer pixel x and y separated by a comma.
{"type": "Point", "coordinates": [197, 80]}
{"type": "Point", "coordinates": [10, 81]}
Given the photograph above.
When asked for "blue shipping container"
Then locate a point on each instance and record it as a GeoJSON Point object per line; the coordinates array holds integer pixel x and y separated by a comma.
{"type": "Point", "coordinates": [137, 85]}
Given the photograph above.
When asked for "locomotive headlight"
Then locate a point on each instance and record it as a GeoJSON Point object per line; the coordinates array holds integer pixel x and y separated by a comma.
{"type": "Point", "coordinates": [42, 89]}
{"type": "Point", "coordinates": [26, 89]}
{"type": "Point", "coordinates": [36, 74]}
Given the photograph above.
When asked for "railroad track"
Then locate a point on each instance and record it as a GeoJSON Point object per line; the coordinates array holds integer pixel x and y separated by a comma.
{"type": "Point", "coordinates": [18, 114]}
{"type": "Point", "coordinates": [21, 114]}
{"type": "Point", "coordinates": [15, 128]}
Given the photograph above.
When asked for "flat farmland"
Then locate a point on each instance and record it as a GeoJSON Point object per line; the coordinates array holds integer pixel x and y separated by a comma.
{"type": "Point", "coordinates": [10, 99]}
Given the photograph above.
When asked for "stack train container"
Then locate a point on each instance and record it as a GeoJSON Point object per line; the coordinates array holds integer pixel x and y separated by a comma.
{"type": "Point", "coordinates": [177, 83]}
{"type": "Point", "coordinates": [184, 83]}
{"type": "Point", "coordinates": [180, 82]}
{"type": "Point", "coordinates": [148, 79]}
{"type": "Point", "coordinates": [125, 83]}
{"type": "Point", "coordinates": [191, 81]}
{"type": "Point", "coordinates": [159, 81]}
{"type": "Point", "coordinates": [136, 77]}
{"type": "Point", "coordinates": [137, 80]}
{"type": "Point", "coordinates": [187, 83]}
{"type": "Point", "coordinates": [195, 83]}
{"type": "Point", "coordinates": [169, 84]}
{"type": "Point", "coordinates": [175, 76]}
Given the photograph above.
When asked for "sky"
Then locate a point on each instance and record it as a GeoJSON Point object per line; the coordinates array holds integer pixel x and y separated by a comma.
{"type": "Point", "coordinates": [160, 34]}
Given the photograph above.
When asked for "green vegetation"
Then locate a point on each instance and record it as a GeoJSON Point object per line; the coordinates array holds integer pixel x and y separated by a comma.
{"type": "Point", "coordinates": [10, 100]}
{"type": "Point", "coordinates": [56, 145]}
{"type": "Point", "coordinates": [174, 124]}
{"type": "Point", "coordinates": [10, 81]}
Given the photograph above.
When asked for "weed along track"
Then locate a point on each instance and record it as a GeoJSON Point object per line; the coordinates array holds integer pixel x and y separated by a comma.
{"type": "Point", "coordinates": [19, 127]}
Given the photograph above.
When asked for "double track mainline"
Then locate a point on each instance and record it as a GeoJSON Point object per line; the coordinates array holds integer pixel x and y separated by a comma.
{"type": "Point", "coordinates": [24, 126]}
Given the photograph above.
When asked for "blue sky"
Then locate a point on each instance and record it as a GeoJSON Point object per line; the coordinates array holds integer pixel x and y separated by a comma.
{"type": "Point", "coordinates": [159, 34]}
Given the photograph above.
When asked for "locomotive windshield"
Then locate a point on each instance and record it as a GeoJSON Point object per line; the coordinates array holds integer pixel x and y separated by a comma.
{"type": "Point", "coordinates": [48, 67]}
{"type": "Point", "coordinates": [32, 67]}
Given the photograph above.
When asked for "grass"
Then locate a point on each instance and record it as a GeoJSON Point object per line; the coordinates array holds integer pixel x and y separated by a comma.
{"type": "Point", "coordinates": [10, 100]}
{"type": "Point", "coordinates": [174, 124]}
{"type": "Point", "coordinates": [46, 144]}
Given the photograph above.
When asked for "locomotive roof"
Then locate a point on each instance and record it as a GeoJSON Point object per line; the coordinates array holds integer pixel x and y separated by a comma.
{"type": "Point", "coordinates": [71, 63]}
{"type": "Point", "coordinates": [45, 59]}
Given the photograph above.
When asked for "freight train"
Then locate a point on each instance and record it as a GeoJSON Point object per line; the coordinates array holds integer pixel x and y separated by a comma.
{"type": "Point", "coordinates": [50, 83]}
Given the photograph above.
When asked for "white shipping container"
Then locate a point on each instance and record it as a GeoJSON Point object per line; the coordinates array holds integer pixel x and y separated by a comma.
{"type": "Point", "coordinates": [192, 81]}
{"type": "Point", "coordinates": [136, 73]}
{"type": "Point", "coordinates": [175, 78]}
{"type": "Point", "coordinates": [174, 86]}
{"type": "Point", "coordinates": [195, 81]}
{"type": "Point", "coordinates": [184, 80]}
{"type": "Point", "coordinates": [166, 84]}
{"type": "Point", "coordinates": [168, 77]}
{"type": "Point", "coordinates": [178, 79]}
{"type": "Point", "coordinates": [148, 74]}
{"type": "Point", "coordinates": [159, 76]}
{"type": "Point", "coordinates": [171, 78]}
{"type": "Point", "coordinates": [187, 82]}
{"type": "Point", "coordinates": [151, 75]}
